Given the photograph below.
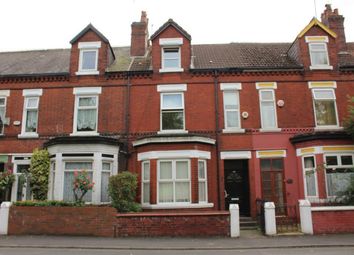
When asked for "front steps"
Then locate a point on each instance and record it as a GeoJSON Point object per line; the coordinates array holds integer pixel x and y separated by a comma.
{"type": "Point", "coordinates": [247, 223]}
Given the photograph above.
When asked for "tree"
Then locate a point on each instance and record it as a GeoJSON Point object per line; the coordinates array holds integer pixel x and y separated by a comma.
{"type": "Point", "coordinates": [39, 173]}
{"type": "Point", "coordinates": [349, 122]}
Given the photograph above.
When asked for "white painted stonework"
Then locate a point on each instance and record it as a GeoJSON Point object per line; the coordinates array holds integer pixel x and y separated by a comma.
{"type": "Point", "coordinates": [234, 220]}
{"type": "Point", "coordinates": [305, 217]}
{"type": "Point", "coordinates": [270, 223]}
{"type": "Point", "coordinates": [4, 217]}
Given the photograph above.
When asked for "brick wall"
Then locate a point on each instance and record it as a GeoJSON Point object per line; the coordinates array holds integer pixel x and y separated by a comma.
{"type": "Point", "coordinates": [103, 221]}
{"type": "Point", "coordinates": [326, 222]}
{"type": "Point", "coordinates": [174, 224]}
{"type": "Point", "coordinates": [84, 221]}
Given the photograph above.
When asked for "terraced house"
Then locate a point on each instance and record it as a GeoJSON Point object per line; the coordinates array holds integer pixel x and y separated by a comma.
{"type": "Point", "coordinates": [203, 126]}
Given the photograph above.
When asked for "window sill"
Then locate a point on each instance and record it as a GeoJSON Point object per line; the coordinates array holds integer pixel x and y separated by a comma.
{"type": "Point", "coordinates": [85, 134]}
{"type": "Point", "coordinates": [28, 135]}
{"type": "Point", "coordinates": [233, 130]}
{"type": "Point", "coordinates": [166, 132]}
{"type": "Point", "coordinates": [270, 130]}
{"type": "Point", "coordinates": [87, 73]}
{"type": "Point", "coordinates": [171, 70]}
{"type": "Point", "coordinates": [324, 128]}
{"type": "Point", "coordinates": [321, 67]}
{"type": "Point", "coordinates": [177, 206]}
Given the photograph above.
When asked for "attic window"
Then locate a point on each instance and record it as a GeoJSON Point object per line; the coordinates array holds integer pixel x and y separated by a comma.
{"type": "Point", "coordinates": [318, 52]}
{"type": "Point", "coordinates": [88, 59]}
{"type": "Point", "coordinates": [171, 54]}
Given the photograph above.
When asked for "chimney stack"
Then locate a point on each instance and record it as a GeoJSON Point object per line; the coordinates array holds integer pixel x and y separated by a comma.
{"type": "Point", "coordinates": [139, 37]}
{"type": "Point", "coordinates": [335, 22]}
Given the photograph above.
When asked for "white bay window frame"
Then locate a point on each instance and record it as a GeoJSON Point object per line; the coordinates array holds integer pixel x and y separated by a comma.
{"type": "Point", "coordinates": [310, 171]}
{"type": "Point", "coordinates": [174, 180]}
{"type": "Point", "coordinates": [145, 182]}
{"type": "Point", "coordinates": [202, 181]}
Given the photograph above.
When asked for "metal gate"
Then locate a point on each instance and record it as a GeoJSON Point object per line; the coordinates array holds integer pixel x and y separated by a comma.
{"type": "Point", "coordinates": [287, 218]}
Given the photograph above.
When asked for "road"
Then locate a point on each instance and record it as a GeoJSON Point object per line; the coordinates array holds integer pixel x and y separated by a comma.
{"type": "Point", "coordinates": [46, 251]}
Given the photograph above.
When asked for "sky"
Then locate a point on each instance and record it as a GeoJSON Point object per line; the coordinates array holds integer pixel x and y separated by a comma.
{"type": "Point", "coordinates": [49, 24]}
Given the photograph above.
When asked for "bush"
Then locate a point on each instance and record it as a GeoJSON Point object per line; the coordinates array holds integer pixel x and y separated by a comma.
{"type": "Point", "coordinates": [81, 185]}
{"type": "Point", "coordinates": [6, 180]}
{"type": "Point", "coordinates": [45, 203]}
{"type": "Point", "coordinates": [122, 189]}
{"type": "Point", "coordinates": [39, 174]}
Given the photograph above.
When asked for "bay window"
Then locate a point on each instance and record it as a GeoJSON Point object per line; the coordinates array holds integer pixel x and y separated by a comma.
{"type": "Point", "coordinates": [174, 181]}
{"type": "Point", "coordinates": [105, 174]}
{"type": "Point", "coordinates": [145, 179]}
{"type": "Point", "coordinates": [310, 179]}
{"type": "Point", "coordinates": [202, 181]}
{"type": "Point", "coordinates": [70, 168]}
{"type": "Point", "coordinates": [339, 173]}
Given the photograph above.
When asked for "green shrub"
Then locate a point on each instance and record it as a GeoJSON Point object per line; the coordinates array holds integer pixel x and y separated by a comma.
{"type": "Point", "coordinates": [122, 189]}
{"type": "Point", "coordinates": [45, 203]}
{"type": "Point", "coordinates": [39, 174]}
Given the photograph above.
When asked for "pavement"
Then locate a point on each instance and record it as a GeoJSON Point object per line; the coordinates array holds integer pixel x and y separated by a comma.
{"type": "Point", "coordinates": [247, 240]}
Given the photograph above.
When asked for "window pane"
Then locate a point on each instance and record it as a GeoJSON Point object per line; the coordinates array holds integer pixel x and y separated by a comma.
{"type": "Point", "coordinates": [202, 191]}
{"type": "Point", "coordinates": [78, 165]}
{"type": "Point", "coordinates": [104, 186]}
{"type": "Point", "coordinates": [232, 119]}
{"type": "Point", "coordinates": [31, 121]}
{"type": "Point", "coordinates": [277, 165]}
{"type": "Point", "coordinates": [331, 160]}
{"type": "Point", "coordinates": [182, 191]}
{"type": "Point", "coordinates": [347, 160]}
{"type": "Point", "coordinates": [172, 101]}
{"type": "Point", "coordinates": [32, 103]}
{"type": "Point", "coordinates": [338, 180]}
{"type": "Point", "coordinates": [171, 58]}
{"type": "Point", "coordinates": [146, 172]}
{"type": "Point", "coordinates": [68, 188]}
{"type": "Point", "coordinates": [172, 120]}
{"type": "Point", "coordinates": [310, 184]}
{"type": "Point", "coordinates": [268, 114]}
{"type": "Point", "coordinates": [231, 100]}
{"type": "Point", "coordinates": [265, 164]}
{"type": "Point", "coordinates": [146, 192]}
{"type": "Point", "coordinates": [87, 101]}
{"type": "Point", "coordinates": [89, 60]}
{"type": "Point", "coordinates": [86, 120]}
{"type": "Point", "coordinates": [182, 170]}
{"type": "Point", "coordinates": [324, 94]}
{"type": "Point", "coordinates": [106, 166]}
{"type": "Point", "coordinates": [309, 162]}
{"type": "Point", "coordinates": [2, 101]}
{"type": "Point", "coordinates": [165, 170]}
{"type": "Point", "coordinates": [201, 170]}
{"type": "Point", "coordinates": [2, 167]}
{"type": "Point", "coordinates": [166, 192]}
{"type": "Point", "coordinates": [171, 63]}
{"type": "Point", "coordinates": [267, 95]}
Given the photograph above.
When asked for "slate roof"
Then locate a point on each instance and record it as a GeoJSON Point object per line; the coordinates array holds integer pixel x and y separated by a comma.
{"type": "Point", "coordinates": [208, 56]}
{"type": "Point", "coordinates": [243, 55]}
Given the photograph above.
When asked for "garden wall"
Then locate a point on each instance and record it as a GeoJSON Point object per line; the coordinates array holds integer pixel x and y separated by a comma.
{"type": "Point", "coordinates": [84, 221]}
{"type": "Point", "coordinates": [105, 222]}
{"type": "Point", "coordinates": [336, 219]}
{"type": "Point", "coordinates": [174, 224]}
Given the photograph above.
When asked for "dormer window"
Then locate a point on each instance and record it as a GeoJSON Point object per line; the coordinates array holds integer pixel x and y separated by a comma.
{"type": "Point", "coordinates": [171, 58]}
{"type": "Point", "coordinates": [171, 54]}
{"type": "Point", "coordinates": [88, 59]}
{"type": "Point", "coordinates": [318, 52]}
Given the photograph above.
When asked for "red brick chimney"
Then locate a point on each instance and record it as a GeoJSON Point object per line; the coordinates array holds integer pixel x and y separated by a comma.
{"type": "Point", "coordinates": [139, 38]}
{"type": "Point", "coordinates": [336, 23]}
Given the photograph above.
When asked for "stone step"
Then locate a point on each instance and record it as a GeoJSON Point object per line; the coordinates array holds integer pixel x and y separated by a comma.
{"type": "Point", "coordinates": [247, 223]}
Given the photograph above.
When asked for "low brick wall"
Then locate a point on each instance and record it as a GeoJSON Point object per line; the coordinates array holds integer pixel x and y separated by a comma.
{"type": "Point", "coordinates": [332, 221]}
{"type": "Point", "coordinates": [105, 222]}
{"type": "Point", "coordinates": [84, 221]}
{"type": "Point", "coordinates": [174, 224]}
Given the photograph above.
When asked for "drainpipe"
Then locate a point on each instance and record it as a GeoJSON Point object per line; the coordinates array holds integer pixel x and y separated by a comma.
{"type": "Point", "coordinates": [216, 100]}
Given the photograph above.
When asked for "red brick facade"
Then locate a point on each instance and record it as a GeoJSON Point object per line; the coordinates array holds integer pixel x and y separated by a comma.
{"type": "Point", "coordinates": [129, 91]}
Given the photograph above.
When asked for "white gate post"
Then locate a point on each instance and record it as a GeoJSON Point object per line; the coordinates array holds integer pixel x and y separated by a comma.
{"type": "Point", "coordinates": [4, 217]}
{"type": "Point", "coordinates": [234, 220]}
{"type": "Point", "coordinates": [269, 217]}
{"type": "Point", "coordinates": [305, 217]}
